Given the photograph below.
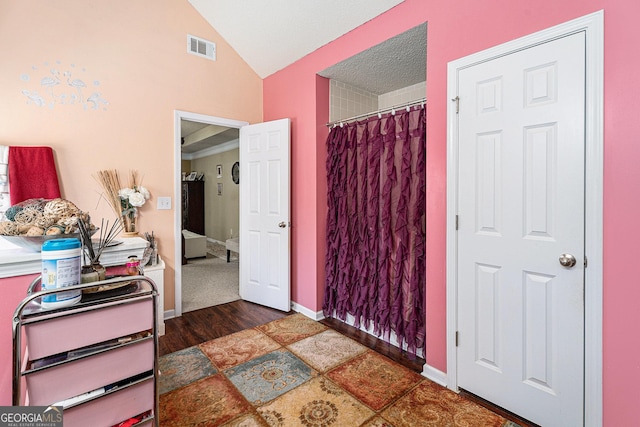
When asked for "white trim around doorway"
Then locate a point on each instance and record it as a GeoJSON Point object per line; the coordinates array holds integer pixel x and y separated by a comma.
{"type": "Point", "coordinates": [593, 26]}
{"type": "Point", "coordinates": [177, 190]}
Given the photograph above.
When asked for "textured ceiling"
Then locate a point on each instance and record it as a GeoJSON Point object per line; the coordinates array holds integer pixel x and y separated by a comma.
{"type": "Point", "coordinates": [271, 35]}
{"type": "Point", "coordinates": [393, 64]}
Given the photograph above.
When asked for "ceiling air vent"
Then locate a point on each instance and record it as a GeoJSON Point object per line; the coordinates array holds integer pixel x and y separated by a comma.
{"type": "Point", "coordinates": [201, 47]}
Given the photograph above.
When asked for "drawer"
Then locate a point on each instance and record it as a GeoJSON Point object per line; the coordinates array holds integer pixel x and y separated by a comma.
{"type": "Point", "coordinates": [113, 408]}
{"type": "Point", "coordinates": [83, 328]}
{"type": "Point", "coordinates": [50, 385]}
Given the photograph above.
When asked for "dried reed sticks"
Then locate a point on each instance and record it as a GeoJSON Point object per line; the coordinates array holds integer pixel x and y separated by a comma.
{"type": "Point", "coordinates": [107, 235]}
{"type": "Point", "coordinates": [110, 182]}
{"type": "Point", "coordinates": [134, 181]}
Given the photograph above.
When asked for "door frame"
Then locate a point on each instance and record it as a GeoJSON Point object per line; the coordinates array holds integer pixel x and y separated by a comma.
{"type": "Point", "coordinates": [177, 190]}
{"type": "Point", "coordinates": [593, 26]}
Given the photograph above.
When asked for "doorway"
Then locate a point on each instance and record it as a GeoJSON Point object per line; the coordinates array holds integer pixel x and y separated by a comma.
{"type": "Point", "coordinates": [210, 215]}
{"type": "Point", "coordinates": [219, 138]}
{"type": "Point", "coordinates": [264, 224]}
{"type": "Point", "coordinates": [504, 324]}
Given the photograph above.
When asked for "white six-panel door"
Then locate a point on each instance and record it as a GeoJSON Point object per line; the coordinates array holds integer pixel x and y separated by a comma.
{"type": "Point", "coordinates": [264, 214]}
{"type": "Point", "coordinates": [520, 209]}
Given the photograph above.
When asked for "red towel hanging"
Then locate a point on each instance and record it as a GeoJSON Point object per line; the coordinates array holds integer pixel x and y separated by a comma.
{"type": "Point", "coordinates": [32, 174]}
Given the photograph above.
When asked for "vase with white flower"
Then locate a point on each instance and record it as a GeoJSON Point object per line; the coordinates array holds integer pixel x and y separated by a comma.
{"type": "Point", "coordinates": [125, 201]}
{"type": "Point", "coordinates": [132, 198]}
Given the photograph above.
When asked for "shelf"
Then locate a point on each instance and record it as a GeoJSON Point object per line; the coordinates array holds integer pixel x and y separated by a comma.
{"type": "Point", "coordinates": [35, 365]}
{"type": "Point", "coordinates": [113, 407]}
{"type": "Point", "coordinates": [79, 375]}
{"type": "Point", "coordinates": [82, 328]}
{"type": "Point", "coordinates": [33, 311]}
{"type": "Point", "coordinates": [106, 390]}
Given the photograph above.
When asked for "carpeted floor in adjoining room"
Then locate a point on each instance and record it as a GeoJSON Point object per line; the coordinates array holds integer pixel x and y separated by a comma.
{"type": "Point", "coordinates": [298, 372]}
{"type": "Point", "coordinates": [211, 280]}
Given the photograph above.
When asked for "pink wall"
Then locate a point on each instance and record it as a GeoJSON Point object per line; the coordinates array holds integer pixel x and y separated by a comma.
{"type": "Point", "coordinates": [136, 51]}
{"type": "Point", "coordinates": [457, 28]}
{"type": "Point", "coordinates": [621, 206]}
{"type": "Point", "coordinates": [322, 111]}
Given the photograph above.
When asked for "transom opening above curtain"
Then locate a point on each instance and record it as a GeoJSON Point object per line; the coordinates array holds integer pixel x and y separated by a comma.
{"type": "Point", "coordinates": [375, 260]}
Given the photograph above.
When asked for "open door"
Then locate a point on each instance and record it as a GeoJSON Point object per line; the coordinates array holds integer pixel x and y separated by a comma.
{"type": "Point", "coordinates": [264, 214]}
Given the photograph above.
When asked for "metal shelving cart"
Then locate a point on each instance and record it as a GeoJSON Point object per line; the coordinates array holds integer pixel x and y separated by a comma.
{"type": "Point", "coordinates": [97, 359]}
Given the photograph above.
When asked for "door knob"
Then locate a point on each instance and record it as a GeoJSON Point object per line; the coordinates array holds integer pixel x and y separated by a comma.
{"type": "Point", "coordinates": [567, 260]}
{"type": "Point", "coordinates": [282, 224]}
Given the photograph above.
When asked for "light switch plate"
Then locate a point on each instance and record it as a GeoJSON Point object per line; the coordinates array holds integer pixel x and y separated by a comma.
{"type": "Point", "coordinates": [164, 203]}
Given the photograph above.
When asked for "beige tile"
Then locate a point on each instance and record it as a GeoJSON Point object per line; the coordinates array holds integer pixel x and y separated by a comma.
{"type": "Point", "coordinates": [326, 350]}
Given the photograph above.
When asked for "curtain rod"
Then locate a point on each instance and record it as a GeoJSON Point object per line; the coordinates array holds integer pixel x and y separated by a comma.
{"type": "Point", "coordinates": [379, 112]}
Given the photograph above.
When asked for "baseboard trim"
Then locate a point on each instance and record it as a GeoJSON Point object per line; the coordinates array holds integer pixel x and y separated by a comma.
{"type": "Point", "coordinates": [169, 314]}
{"type": "Point", "coordinates": [435, 375]}
{"type": "Point", "coordinates": [317, 315]}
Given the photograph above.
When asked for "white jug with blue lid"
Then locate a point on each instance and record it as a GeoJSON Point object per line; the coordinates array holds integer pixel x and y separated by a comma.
{"type": "Point", "coordinates": [61, 267]}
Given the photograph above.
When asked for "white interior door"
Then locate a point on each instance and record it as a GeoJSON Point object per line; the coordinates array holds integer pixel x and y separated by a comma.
{"type": "Point", "coordinates": [520, 208]}
{"type": "Point", "coordinates": [264, 214]}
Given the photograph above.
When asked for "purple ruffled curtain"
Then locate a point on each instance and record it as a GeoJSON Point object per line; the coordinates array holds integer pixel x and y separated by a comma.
{"type": "Point", "coordinates": [375, 261]}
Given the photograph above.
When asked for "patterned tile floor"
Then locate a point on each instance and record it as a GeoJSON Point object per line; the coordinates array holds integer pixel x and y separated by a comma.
{"type": "Point", "coordinates": [297, 372]}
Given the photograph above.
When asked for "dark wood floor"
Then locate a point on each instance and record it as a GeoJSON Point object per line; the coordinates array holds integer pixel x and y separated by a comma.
{"type": "Point", "coordinates": [199, 326]}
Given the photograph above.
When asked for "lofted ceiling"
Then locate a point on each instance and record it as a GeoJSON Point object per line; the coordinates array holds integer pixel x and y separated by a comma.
{"type": "Point", "coordinates": [272, 35]}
